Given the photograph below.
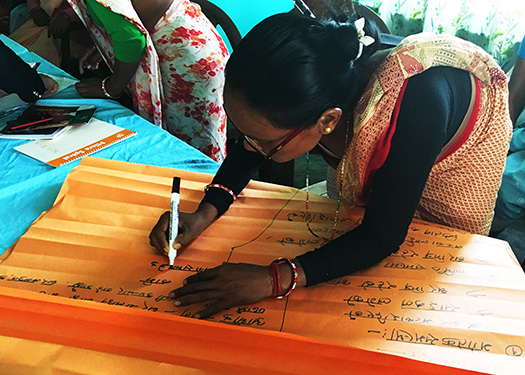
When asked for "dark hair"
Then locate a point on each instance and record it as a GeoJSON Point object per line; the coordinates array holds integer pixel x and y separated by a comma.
{"type": "Point", "coordinates": [291, 68]}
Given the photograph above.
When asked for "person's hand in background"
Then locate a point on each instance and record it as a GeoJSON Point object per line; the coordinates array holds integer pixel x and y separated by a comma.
{"type": "Point", "coordinates": [39, 16]}
{"type": "Point", "coordinates": [50, 84]}
{"type": "Point", "coordinates": [58, 26]}
{"type": "Point", "coordinates": [90, 61]}
{"type": "Point", "coordinates": [90, 87]}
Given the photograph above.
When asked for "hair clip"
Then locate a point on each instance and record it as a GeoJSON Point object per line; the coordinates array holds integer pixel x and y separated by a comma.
{"type": "Point", "coordinates": [364, 40]}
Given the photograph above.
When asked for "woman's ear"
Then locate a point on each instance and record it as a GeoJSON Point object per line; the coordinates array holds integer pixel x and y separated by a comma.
{"type": "Point", "coordinates": [328, 121]}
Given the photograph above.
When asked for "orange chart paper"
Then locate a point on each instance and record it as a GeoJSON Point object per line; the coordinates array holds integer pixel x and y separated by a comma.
{"type": "Point", "coordinates": [446, 297]}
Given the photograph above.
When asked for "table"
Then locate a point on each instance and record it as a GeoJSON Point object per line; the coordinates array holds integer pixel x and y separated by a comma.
{"type": "Point", "coordinates": [29, 187]}
{"type": "Point", "coordinates": [446, 298]}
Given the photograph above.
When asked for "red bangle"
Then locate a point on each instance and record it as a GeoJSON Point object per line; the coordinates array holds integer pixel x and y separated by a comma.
{"type": "Point", "coordinates": [274, 267]}
{"type": "Point", "coordinates": [219, 186]}
{"type": "Point", "coordinates": [276, 279]}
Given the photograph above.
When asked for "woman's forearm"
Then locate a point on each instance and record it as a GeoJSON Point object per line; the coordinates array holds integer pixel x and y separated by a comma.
{"type": "Point", "coordinates": [122, 74]}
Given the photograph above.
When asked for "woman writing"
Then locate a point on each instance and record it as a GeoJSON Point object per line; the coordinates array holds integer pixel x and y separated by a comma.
{"type": "Point", "coordinates": [421, 130]}
{"type": "Point", "coordinates": [170, 57]}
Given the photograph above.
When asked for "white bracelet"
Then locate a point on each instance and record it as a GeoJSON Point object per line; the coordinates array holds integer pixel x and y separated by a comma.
{"type": "Point", "coordinates": [219, 186]}
{"type": "Point", "coordinates": [106, 93]}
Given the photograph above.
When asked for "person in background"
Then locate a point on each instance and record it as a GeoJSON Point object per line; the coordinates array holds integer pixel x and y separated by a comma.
{"type": "Point", "coordinates": [17, 77]}
{"type": "Point", "coordinates": [171, 58]}
{"type": "Point", "coordinates": [420, 130]}
{"type": "Point", "coordinates": [510, 205]}
{"type": "Point", "coordinates": [517, 88]}
{"type": "Point", "coordinates": [49, 20]}
{"type": "Point", "coordinates": [5, 10]}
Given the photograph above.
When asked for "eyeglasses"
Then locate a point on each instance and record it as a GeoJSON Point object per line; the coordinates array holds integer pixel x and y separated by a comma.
{"type": "Point", "coordinates": [253, 144]}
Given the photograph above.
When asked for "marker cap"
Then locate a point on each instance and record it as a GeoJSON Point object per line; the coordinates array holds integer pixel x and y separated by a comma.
{"type": "Point", "coordinates": [175, 188]}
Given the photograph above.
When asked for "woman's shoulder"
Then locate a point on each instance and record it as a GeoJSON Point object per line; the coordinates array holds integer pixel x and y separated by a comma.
{"type": "Point", "coordinates": [435, 77]}
{"type": "Point", "coordinates": [443, 89]}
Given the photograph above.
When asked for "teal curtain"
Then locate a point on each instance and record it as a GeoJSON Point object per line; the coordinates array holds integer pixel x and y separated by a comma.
{"type": "Point", "coordinates": [498, 26]}
{"type": "Point", "coordinates": [246, 14]}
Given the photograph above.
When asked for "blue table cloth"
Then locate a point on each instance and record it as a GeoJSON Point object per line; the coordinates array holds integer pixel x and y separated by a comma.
{"type": "Point", "coordinates": [28, 187]}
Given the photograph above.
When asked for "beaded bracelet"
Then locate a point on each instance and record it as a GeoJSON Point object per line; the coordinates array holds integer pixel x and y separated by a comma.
{"type": "Point", "coordinates": [105, 90]}
{"type": "Point", "coordinates": [274, 272]}
{"type": "Point", "coordinates": [219, 186]}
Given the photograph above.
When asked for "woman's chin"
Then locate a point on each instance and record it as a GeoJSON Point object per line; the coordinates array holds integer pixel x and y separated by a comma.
{"type": "Point", "coordinates": [284, 158]}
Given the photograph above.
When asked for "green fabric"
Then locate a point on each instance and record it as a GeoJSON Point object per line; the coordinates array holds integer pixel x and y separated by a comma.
{"type": "Point", "coordinates": [128, 41]}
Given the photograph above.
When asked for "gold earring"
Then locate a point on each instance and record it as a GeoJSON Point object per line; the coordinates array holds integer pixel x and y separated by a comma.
{"type": "Point", "coordinates": [327, 130]}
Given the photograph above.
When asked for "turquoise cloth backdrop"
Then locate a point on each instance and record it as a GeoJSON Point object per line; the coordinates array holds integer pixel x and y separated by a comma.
{"type": "Point", "coordinates": [247, 14]}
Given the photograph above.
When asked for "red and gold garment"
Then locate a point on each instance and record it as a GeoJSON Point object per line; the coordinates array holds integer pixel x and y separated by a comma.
{"type": "Point", "coordinates": [180, 80]}
{"type": "Point", "coordinates": [462, 187]}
